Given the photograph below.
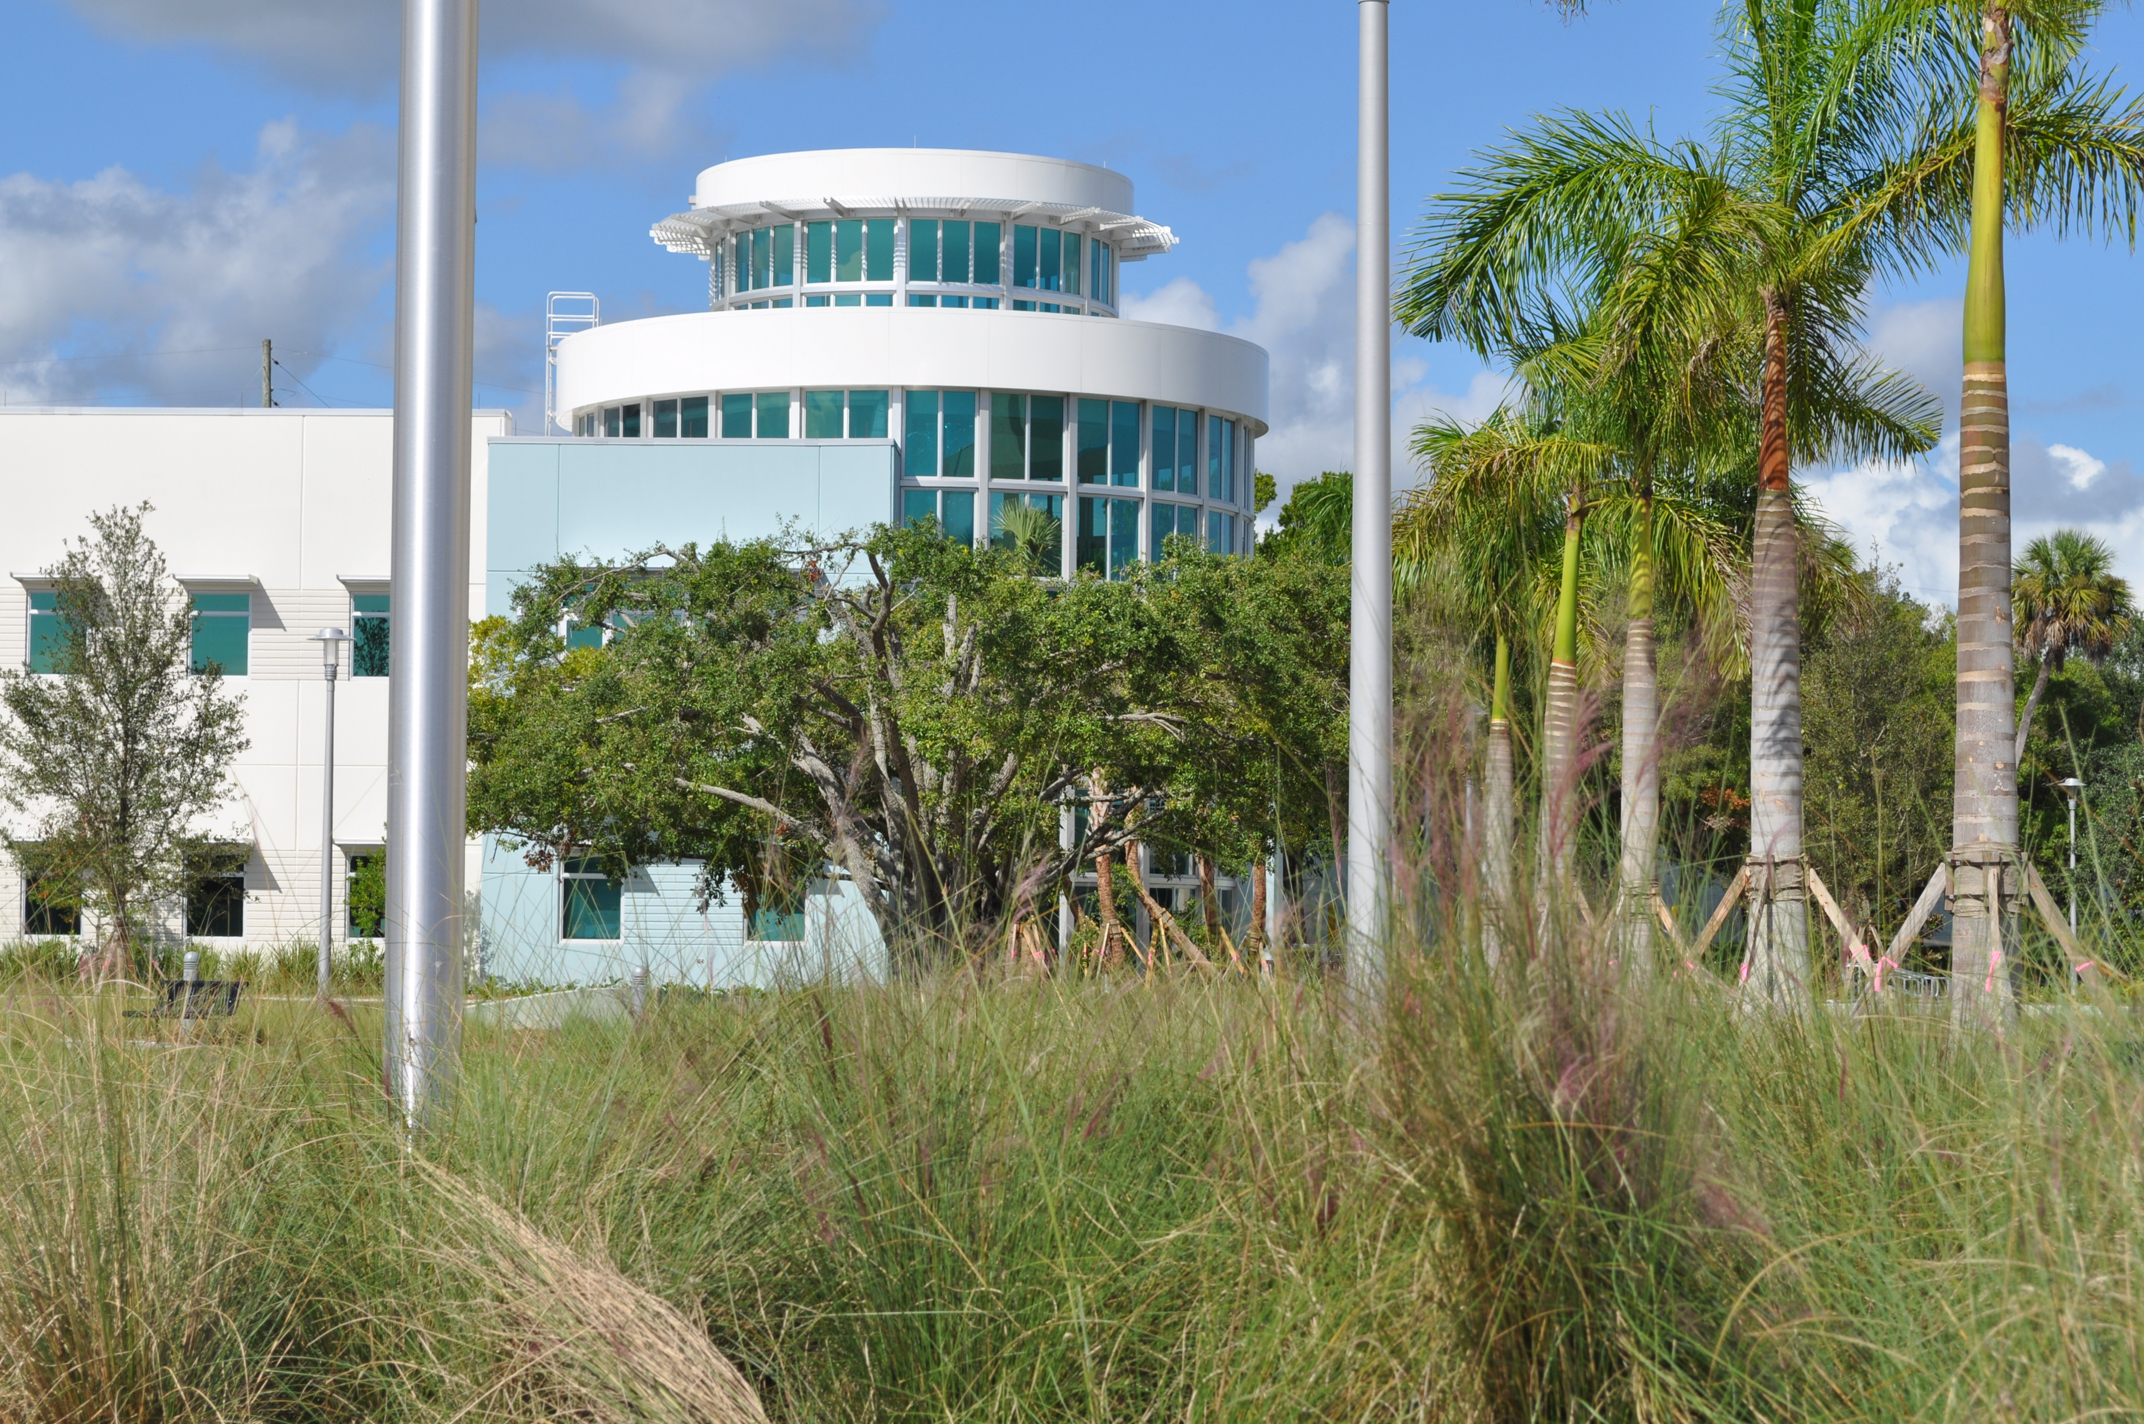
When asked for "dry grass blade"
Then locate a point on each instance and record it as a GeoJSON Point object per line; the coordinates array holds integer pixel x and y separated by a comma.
{"type": "Point", "coordinates": [600, 1346]}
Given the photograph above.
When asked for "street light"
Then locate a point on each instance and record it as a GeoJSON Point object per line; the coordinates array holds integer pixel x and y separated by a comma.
{"type": "Point", "coordinates": [2071, 786]}
{"type": "Point", "coordinates": [330, 641]}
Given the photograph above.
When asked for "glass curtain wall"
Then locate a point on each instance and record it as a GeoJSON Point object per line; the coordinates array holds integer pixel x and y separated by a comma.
{"type": "Point", "coordinates": [1027, 437]}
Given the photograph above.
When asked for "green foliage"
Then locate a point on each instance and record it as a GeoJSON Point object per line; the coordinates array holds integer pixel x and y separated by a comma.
{"type": "Point", "coordinates": [910, 711]}
{"type": "Point", "coordinates": [1317, 521]}
{"type": "Point", "coordinates": [116, 763]}
{"type": "Point", "coordinates": [1265, 489]}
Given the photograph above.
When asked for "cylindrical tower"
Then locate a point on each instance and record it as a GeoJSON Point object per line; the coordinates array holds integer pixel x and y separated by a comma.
{"type": "Point", "coordinates": [963, 305]}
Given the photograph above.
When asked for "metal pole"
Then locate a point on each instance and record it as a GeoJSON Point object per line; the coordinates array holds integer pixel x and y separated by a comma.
{"type": "Point", "coordinates": [267, 373]}
{"type": "Point", "coordinates": [1369, 800]}
{"type": "Point", "coordinates": [2073, 862]}
{"type": "Point", "coordinates": [429, 651]}
{"type": "Point", "coordinates": [327, 834]}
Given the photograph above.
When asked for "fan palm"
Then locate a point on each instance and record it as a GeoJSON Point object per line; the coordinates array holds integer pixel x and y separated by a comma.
{"type": "Point", "coordinates": [1781, 246]}
{"type": "Point", "coordinates": [2067, 600]}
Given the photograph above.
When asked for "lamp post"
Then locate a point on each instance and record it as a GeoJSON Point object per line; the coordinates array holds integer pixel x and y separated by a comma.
{"type": "Point", "coordinates": [2070, 787]}
{"type": "Point", "coordinates": [330, 641]}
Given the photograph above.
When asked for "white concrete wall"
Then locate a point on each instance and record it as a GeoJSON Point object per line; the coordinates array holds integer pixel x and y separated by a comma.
{"type": "Point", "coordinates": [861, 174]}
{"type": "Point", "coordinates": [297, 499]}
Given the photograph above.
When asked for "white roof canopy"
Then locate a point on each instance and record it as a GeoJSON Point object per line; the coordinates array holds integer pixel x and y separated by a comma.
{"type": "Point", "coordinates": [698, 230]}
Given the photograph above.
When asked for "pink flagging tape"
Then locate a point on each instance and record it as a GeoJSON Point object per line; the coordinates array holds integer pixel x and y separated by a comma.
{"type": "Point", "coordinates": [1995, 959]}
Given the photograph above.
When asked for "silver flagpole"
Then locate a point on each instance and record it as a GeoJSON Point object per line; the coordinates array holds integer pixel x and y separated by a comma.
{"type": "Point", "coordinates": [435, 261]}
{"type": "Point", "coordinates": [1369, 798]}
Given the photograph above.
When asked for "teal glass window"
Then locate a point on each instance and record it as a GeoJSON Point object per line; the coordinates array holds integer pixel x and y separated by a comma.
{"type": "Point", "coordinates": [1124, 443]}
{"type": "Point", "coordinates": [1090, 547]}
{"type": "Point", "coordinates": [776, 926]}
{"type": "Point", "coordinates": [772, 411]}
{"type": "Point", "coordinates": [957, 436]}
{"type": "Point", "coordinates": [1168, 519]}
{"type": "Point", "coordinates": [666, 420]}
{"type": "Point", "coordinates": [692, 417]}
{"type": "Point", "coordinates": [815, 301]}
{"type": "Point", "coordinates": [848, 299]}
{"type": "Point", "coordinates": [922, 250]}
{"type": "Point", "coordinates": [867, 415]}
{"type": "Point", "coordinates": [1093, 453]}
{"type": "Point", "coordinates": [918, 299]}
{"type": "Point", "coordinates": [878, 299]}
{"type": "Point", "coordinates": [51, 899]}
{"type": "Point", "coordinates": [953, 263]}
{"type": "Point", "coordinates": [849, 250]}
{"type": "Point", "coordinates": [1023, 256]}
{"type": "Point", "coordinates": [1123, 534]}
{"type": "Point", "coordinates": [216, 895]}
{"type": "Point", "coordinates": [48, 632]}
{"type": "Point", "coordinates": [822, 415]}
{"type": "Point", "coordinates": [1220, 532]}
{"type": "Point", "coordinates": [919, 455]}
{"type": "Point", "coordinates": [583, 635]}
{"type": "Point", "coordinates": [1072, 263]}
{"type": "Point", "coordinates": [819, 252]}
{"type": "Point", "coordinates": [737, 417]}
{"type": "Point", "coordinates": [1053, 504]}
{"type": "Point", "coordinates": [610, 421]}
{"type": "Point", "coordinates": [951, 301]}
{"type": "Point", "coordinates": [1101, 275]}
{"type": "Point", "coordinates": [785, 255]}
{"type": "Point", "coordinates": [1050, 266]}
{"type": "Point", "coordinates": [1046, 438]}
{"type": "Point", "coordinates": [1187, 451]}
{"type": "Point", "coordinates": [221, 623]}
{"type": "Point", "coordinates": [1008, 437]}
{"type": "Point", "coordinates": [780, 302]}
{"type": "Point", "coordinates": [1164, 448]}
{"type": "Point", "coordinates": [1215, 451]}
{"type": "Point", "coordinates": [762, 268]}
{"type": "Point", "coordinates": [989, 241]}
{"type": "Point", "coordinates": [1228, 462]}
{"type": "Point", "coordinates": [370, 631]}
{"type": "Point", "coordinates": [591, 904]}
{"type": "Point", "coordinates": [878, 250]}
{"type": "Point", "coordinates": [918, 505]}
{"type": "Point", "coordinates": [956, 515]}
{"type": "Point", "coordinates": [986, 303]}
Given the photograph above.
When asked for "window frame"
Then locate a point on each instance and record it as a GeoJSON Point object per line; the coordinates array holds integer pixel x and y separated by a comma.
{"type": "Point", "coordinates": [568, 876]}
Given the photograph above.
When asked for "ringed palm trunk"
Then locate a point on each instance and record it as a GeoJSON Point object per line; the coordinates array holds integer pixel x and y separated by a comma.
{"type": "Point", "coordinates": [1984, 804]}
{"type": "Point", "coordinates": [1641, 755]}
{"type": "Point", "coordinates": [1778, 962]}
{"type": "Point", "coordinates": [1499, 813]}
{"type": "Point", "coordinates": [1559, 731]}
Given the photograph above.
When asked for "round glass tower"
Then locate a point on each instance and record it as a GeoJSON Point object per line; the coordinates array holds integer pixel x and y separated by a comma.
{"type": "Point", "coordinates": [962, 305]}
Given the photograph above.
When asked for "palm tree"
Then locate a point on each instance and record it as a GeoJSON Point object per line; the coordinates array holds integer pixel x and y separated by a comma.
{"type": "Point", "coordinates": [1778, 210]}
{"type": "Point", "coordinates": [2017, 135]}
{"type": "Point", "coordinates": [2066, 600]}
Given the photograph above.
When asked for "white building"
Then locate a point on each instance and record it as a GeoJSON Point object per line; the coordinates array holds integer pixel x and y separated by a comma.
{"type": "Point", "coordinates": [276, 523]}
{"type": "Point", "coordinates": [890, 334]}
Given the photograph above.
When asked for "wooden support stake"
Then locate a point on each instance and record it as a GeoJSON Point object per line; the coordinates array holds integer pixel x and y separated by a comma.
{"type": "Point", "coordinates": [1931, 896]}
{"type": "Point", "coordinates": [1728, 901]}
{"type": "Point", "coordinates": [1165, 926]}
{"type": "Point", "coordinates": [1666, 917]}
{"type": "Point", "coordinates": [1847, 938]}
{"type": "Point", "coordinates": [2057, 923]}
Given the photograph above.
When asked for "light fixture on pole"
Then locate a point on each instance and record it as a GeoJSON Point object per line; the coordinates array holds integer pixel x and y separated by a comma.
{"type": "Point", "coordinates": [2070, 787]}
{"type": "Point", "coordinates": [428, 654]}
{"type": "Point", "coordinates": [1369, 701]}
{"type": "Point", "coordinates": [330, 641]}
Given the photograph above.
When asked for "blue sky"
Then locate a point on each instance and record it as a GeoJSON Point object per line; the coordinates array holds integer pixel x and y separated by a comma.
{"type": "Point", "coordinates": [179, 178]}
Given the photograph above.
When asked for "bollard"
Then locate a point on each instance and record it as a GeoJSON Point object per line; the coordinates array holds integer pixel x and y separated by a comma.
{"type": "Point", "coordinates": [640, 991]}
{"type": "Point", "coordinates": [192, 972]}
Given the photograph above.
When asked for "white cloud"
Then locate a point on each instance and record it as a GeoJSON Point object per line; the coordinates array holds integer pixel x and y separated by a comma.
{"type": "Point", "coordinates": [354, 44]}
{"type": "Point", "coordinates": [2080, 468]}
{"type": "Point", "coordinates": [1925, 340]}
{"type": "Point", "coordinates": [1303, 314]}
{"type": "Point", "coordinates": [108, 274]}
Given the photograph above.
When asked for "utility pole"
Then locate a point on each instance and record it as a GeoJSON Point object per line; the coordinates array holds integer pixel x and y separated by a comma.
{"type": "Point", "coordinates": [267, 373]}
{"type": "Point", "coordinates": [1369, 798]}
{"type": "Point", "coordinates": [428, 682]}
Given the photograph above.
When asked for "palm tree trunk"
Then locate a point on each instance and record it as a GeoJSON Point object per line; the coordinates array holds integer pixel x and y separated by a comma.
{"type": "Point", "coordinates": [2032, 703]}
{"type": "Point", "coordinates": [1779, 915]}
{"type": "Point", "coordinates": [1105, 886]}
{"type": "Point", "coordinates": [1984, 804]}
{"type": "Point", "coordinates": [1641, 754]}
{"type": "Point", "coordinates": [1559, 733]}
{"type": "Point", "coordinates": [1254, 943]}
{"type": "Point", "coordinates": [1500, 813]}
{"type": "Point", "coordinates": [1210, 904]}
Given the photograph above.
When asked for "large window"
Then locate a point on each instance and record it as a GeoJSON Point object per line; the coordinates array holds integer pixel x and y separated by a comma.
{"type": "Point", "coordinates": [954, 509]}
{"type": "Point", "coordinates": [216, 894]}
{"type": "Point", "coordinates": [686, 417]}
{"type": "Point", "coordinates": [849, 250]}
{"type": "Point", "coordinates": [1046, 258]}
{"type": "Point", "coordinates": [940, 435]}
{"type": "Point", "coordinates": [221, 622]}
{"type": "Point", "coordinates": [1220, 532]}
{"type": "Point", "coordinates": [761, 415]}
{"type": "Point", "coordinates": [51, 897]}
{"type": "Point", "coordinates": [1220, 459]}
{"type": "Point", "coordinates": [1108, 442]}
{"type": "Point", "coordinates": [1101, 273]}
{"type": "Point", "coordinates": [959, 252]}
{"type": "Point", "coordinates": [1027, 437]}
{"type": "Point", "coordinates": [845, 415]}
{"type": "Point", "coordinates": [1167, 519]}
{"type": "Point", "coordinates": [590, 904]}
{"type": "Point", "coordinates": [369, 627]}
{"type": "Point", "coordinates": [1108, 540]}
{"type": "Point", "coordinates": [1176, 450]}
{"type": "Point", "coordinates": [1051, 504]}
{"type": "Point", "coordinates": [365, 893]}
{"type": "Point", "coordinates": [48, 634]}
{"type": "Point", "coordinates": [764, 257]}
